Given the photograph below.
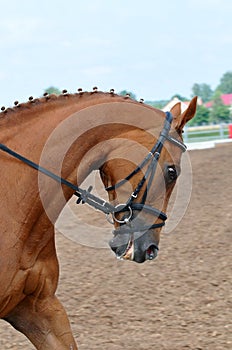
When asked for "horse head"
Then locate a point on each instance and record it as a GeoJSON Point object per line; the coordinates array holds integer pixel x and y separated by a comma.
{"type": "Point", "coordinates": [140, 181]}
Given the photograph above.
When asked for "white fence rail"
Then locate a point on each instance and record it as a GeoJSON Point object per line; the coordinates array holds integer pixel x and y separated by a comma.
{"type": "Point", "coordinates": [206, 133]}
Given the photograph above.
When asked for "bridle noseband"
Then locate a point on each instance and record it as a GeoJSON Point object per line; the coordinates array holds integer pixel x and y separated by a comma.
{"type": "Point", "coordinates": [85, 196]}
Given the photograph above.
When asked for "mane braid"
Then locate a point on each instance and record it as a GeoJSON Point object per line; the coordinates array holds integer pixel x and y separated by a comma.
{"type": "Point", "coordinates": [34, 102]}
{"type": "Point", "coordinates": [47, 98]}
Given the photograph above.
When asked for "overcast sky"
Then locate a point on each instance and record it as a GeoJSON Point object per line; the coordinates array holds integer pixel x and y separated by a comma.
{"type": "Point", "coordinates": [152, 48]}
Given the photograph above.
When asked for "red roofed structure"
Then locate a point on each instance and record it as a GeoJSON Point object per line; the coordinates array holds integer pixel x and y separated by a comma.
{"type": "Point", "coordinates": [226, 99]}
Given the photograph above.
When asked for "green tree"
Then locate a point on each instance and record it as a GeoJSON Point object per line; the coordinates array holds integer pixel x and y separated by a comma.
{"type": "Point", "coordinates": [52, 90]}
{"type": "Point", "coordinates": [219, 112]}
{"type": "Point", "coordinates": [181, 98]}
{"type": "Point", "coordinates": [204, 91]}
{"type": "Point", "coordinates": [201, 117]}
{"type": "Point", "coordinates": [196, 90]}
{"type": "Point", "coordinates": [225, 85]}
{"type": "Point", "coordinates": [126, 92]}
{"type": "Point", "coordinates": [157, 104]}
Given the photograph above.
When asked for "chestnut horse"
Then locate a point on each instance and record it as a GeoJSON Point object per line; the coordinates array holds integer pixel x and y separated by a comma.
{"type": "Point", "coordinates": [70, 135]}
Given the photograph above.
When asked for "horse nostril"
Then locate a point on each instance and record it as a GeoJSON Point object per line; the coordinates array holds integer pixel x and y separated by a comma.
{"type": "Point", "coordinates": [151, 252]}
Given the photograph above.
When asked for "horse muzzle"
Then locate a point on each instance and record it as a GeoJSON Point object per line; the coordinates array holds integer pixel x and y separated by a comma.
{"type": "Point", "coordinates": [136, 246]}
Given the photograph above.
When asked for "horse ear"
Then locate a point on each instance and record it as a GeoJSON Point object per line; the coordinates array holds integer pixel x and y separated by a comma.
{"type": "Point", "coordinates": [176, 110]}
{"type": "Point", "coordinates": [180, 119]}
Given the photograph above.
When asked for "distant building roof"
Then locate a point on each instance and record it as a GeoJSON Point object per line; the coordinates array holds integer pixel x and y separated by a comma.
{"type": "Point", "coordinates": [226, 99]}
{"type": "Point", "coordinates": [183, 104]}
{"type": "Point", "coordinates": [173, 102]}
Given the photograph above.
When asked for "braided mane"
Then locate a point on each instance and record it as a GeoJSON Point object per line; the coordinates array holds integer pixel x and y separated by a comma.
{"type": "Point", "coordinates": [64, 96]}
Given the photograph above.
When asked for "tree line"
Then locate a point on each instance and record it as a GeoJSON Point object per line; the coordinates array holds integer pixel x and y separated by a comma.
{"type": "Point", "coordinates": [217, 113]}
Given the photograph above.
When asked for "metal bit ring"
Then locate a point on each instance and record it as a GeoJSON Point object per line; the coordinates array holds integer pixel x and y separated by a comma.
{"type": "Point", "coordinates": [125, 220]}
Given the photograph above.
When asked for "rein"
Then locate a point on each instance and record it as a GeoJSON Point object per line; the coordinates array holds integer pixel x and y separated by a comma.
{"type": "Point", "coordinates": [85, 196]}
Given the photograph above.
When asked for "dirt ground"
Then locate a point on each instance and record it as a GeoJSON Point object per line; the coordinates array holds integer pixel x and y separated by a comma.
{"type": "Point", "coordinates": [180, 301]}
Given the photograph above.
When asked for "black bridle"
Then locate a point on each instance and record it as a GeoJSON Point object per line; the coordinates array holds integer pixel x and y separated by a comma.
{"type": "Point", "coordinates": [85, 196]}
{"type": "Point", "coordinates": [131, 206]}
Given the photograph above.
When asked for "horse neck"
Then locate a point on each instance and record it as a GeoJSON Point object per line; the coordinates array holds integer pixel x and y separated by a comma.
{"type": "Point", "coordinates": [58, 134]}
{"type": "Point", "coordinates": [70, 136]}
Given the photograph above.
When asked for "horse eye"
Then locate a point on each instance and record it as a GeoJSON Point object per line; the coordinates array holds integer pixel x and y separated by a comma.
{"type": "Point", "coordinates": [172, 173]}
